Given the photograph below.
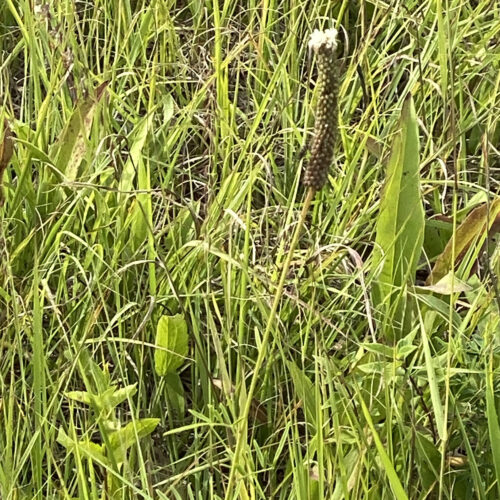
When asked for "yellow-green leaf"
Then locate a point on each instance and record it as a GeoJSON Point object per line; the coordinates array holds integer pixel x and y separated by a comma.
{"type": "Point", "coordinates": [72, 145]}
{"type": "Point", "coordinates": [447, 285]}
{"type": "Point", "coordinates": [122, 439]}
{"type": "Point", "coordinates": [171, 344]}
{"type": "Point", "coordinates": [88, 448]}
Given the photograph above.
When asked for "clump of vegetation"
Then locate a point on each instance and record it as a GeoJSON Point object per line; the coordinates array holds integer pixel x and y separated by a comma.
{"type": "Point", "coordinates": [188, 307]}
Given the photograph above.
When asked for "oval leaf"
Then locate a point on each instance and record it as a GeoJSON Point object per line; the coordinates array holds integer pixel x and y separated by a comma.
{"type": "Point", "coordinates": [172, 344]}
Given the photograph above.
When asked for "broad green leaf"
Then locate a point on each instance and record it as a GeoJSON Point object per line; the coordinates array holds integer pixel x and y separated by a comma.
{"type": "Point", "coordinates": [441, 12]}
{"type": "Point", "coordinates": [478, 199]}
{"type": "Point", "coordinates": [140, 217]}
{"type": "Point", "coordinates": [389, 369]}
{"type": "Point", "coordinates": [473, 229]}
{"type": "Point", "coordinates": [471, 458]}
{"type": "Point", "coordinates": [168, 108]}
{"type": "Point", "coordinates": [36, 153]}
{"type": "Point", "coordinates": [98, 401]}
{"type": "Point", "coordinates": [439, 306]}
{"type": "Point", "coordinates": [381, 349]}
{"type": "Point", "coordinates": [72, 145]}
{"type": "Point", "coordinates": [494, 430]}
{"type": "Point", "coordinates": [122, 439]}
{"type": "Point", "coordinates": [181, 229]}
{"type": "Point", "coordinates": [400, 225]}
{"type": "Point", "coordinates": [171, 344]}
{"type": "Point", "coordinates": [351, 463]}
{"type": "Point", "coordinates": [405, 350]}
{"type": "Point", "coordinates": [64, 440]}
{"type": "Point", "coordinates": [97, 377]}
{"type": "Point", "coordinates": [86, 447]}
{"type": "Point", "coordinates": [304, 389]}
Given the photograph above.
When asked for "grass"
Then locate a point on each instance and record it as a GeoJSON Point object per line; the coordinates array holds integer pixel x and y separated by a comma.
{"type": "Point", "coordinates": [175, 189]}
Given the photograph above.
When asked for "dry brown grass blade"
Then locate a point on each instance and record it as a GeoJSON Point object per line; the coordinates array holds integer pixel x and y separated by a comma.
{"type": "Point", "coordinates": [6, 152]}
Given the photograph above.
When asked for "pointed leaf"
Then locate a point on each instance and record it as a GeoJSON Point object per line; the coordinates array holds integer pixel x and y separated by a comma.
{"type": "Point", "coordinates": [122, 439]}
{"type": "Point", "coordinates": [400, 225]}
{"type": "Point", "coordinates": [491, 406]}
{"type": "Point", "coordinates": [175, 393]}
{"type": "Point", "coordinates": [120, 395]}
{"type": "Point", "coordinates": [429, 460]}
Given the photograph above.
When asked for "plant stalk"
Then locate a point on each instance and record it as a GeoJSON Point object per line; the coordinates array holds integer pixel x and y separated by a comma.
{"type": "Point", "coordinates": [243, 420]}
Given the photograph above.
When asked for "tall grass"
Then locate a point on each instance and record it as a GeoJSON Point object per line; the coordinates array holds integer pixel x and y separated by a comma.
{"type": "Point", "coordinates": [157, 172]}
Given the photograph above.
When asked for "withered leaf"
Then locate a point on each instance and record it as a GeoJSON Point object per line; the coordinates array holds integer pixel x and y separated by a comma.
{"type": "Point", "coordinates": [6, 151]}
{"type": "Point", "coordinates": [475, 226]}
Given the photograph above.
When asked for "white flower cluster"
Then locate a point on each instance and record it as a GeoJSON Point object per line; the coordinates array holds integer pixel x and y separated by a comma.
{"type": "Point", "coordinates": [326, 39]}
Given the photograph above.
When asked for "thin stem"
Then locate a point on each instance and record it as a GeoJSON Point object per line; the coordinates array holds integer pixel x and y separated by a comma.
{"type": "Point", "coordinates": [242, 421]}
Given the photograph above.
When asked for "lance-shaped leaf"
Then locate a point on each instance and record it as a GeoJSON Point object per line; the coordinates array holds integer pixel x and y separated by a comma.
{"type": "Point", "coordinates": [400, 225]}
{"type": "Point", "coordinates": [72, 145]}
{"type": "Point", "coordinates": [171, 344]}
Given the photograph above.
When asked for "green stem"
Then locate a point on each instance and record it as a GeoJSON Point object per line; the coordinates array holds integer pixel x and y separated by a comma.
{"type": "Point", "coordinates": [242, 421]}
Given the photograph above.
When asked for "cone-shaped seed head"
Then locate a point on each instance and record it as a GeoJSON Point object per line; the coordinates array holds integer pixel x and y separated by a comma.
{"type": "Point", "coordinates": [324, 44]}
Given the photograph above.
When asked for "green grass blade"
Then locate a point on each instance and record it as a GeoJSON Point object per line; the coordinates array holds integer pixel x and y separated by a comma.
{"type": "Point", "coordinates": [396, 485]}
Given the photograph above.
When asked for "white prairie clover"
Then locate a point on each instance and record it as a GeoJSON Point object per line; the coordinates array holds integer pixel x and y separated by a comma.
{"type": "Point", "coordinates": [324, 44]}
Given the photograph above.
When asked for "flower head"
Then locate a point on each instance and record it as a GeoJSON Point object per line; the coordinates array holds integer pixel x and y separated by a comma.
{"type": "Point", "coordinates": [323, 39]}
{"type": "Point", "coordinates": [324, 44]}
